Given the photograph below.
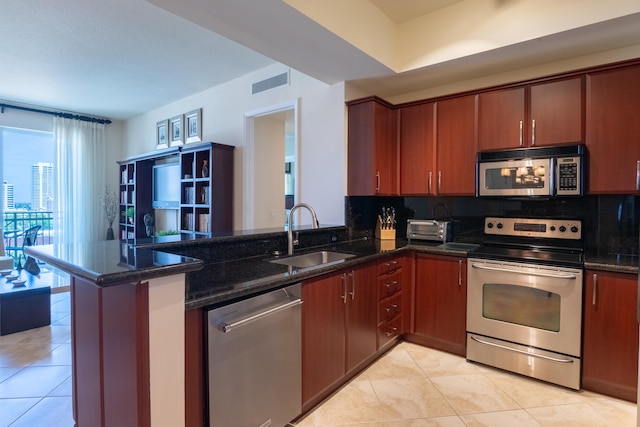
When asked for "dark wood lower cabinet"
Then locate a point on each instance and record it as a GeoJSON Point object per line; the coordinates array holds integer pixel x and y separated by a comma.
{"type": "Point", "coordinates": [339, 324]}
{"type": "Point", "coordinates": [610, 341]}
{"type": "Point", "coordinates": [441, 302]}
{"type": "Point", "coordinates": [110, 357]}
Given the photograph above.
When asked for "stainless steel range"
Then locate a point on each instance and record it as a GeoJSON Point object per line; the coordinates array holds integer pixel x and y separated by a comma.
{"type": "Point", "coordinates": [524, 298]}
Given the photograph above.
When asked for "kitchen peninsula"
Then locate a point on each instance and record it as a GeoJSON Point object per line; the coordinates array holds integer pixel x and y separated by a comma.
{"type": "Point", "coordinates": [133, 307]}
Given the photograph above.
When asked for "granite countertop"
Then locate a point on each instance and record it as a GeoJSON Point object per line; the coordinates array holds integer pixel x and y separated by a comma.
{"type": "Point", "coordinates": [218, 283]}
{"type": "Point", "coordinates": [110, 263]}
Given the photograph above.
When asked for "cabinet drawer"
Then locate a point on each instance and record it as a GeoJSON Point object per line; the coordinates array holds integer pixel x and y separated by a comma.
{"type": "Point", "coordinates": [389, 284]}
{"type": "Point", "coordinates": [389, 266]}
{"type": "Point", "coordinates": [389, 308]}
{"type": "Point", "coordinates": [389, 330]}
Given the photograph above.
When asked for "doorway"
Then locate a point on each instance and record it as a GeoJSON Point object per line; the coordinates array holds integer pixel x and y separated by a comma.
{"type": "Point", "coordinates": [271, 165]}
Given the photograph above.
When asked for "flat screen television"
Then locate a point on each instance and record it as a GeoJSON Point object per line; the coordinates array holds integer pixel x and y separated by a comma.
{"type": "Point", "coordinates": [166, 186]}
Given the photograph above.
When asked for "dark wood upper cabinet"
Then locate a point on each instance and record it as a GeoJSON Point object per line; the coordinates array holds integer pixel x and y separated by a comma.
{"type": "Point", "coordinates": [557, 112]}
{"type": "Point", "coordinates": [501, 119]}
{"type": "Point", "coordinates": [417, 149]}
{"type": "Point", "coordinates": [456, 146]}
{"type": "Point", "coordinates": [438, 147]}
{"type": "Point", "coordinates": [541, 114]}
{"type": "Point", "coordinates": [373, 148]}
{"type": "Point", "coordinates": [613, 131]}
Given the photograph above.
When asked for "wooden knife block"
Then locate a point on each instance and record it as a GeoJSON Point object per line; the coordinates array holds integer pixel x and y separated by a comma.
{"type": "Point", "coordinates": [384, 233]}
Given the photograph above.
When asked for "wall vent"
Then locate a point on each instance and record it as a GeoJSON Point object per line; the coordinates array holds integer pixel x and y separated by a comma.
{"type": "Point", "coordinates": [270, 83]}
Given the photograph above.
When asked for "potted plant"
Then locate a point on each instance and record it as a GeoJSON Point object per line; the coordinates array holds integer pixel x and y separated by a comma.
{"type": "Point", "coordinates": [109, 209]}
{"type": "Point", "coordinates": [129, 214]}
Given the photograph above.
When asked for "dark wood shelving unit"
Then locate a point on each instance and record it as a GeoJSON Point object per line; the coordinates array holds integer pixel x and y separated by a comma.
{"type": "Point", "coordinates": [206, 204]}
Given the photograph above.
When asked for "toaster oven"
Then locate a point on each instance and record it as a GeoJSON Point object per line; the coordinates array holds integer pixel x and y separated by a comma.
{"type": "Point", "coordinates": [429, 229]}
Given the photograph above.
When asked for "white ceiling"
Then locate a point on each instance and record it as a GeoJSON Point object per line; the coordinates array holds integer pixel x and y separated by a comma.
{"type": "Point", "coordinates": [120, 58]}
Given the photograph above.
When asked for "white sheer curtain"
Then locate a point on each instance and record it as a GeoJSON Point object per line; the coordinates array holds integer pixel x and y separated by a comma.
{"type": "Point", "coordinates": [79, 180]}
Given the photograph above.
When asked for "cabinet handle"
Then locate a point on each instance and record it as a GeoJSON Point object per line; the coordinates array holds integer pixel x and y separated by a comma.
{"type": "Point", "coordinates": [393, 307]}
{"type": "Point", "coordinates": [459, 272]}
{"type": "Point", "coordinates": [391, 266]}
{"type": "Point", "coordinates": [353, 285]}
{"type": "Point", "coordinates": [595, 285]}
{"type": "Point", "coordinates": [344, 288]}
{"type": "Point", "coordinates": [391, 287]}
{"type": "Point", "coordinates": [533, 132]}
{"type": "Point", "coordinates": [638, 175]}
{"type": "Point", "coordinates": [520, 133]}
{"type": "Point", "coordinates": [378, 182]}
{"type": "Point", "coordinates": [430, 189]}
{"type": "Point", "coordinates": [439, 182]}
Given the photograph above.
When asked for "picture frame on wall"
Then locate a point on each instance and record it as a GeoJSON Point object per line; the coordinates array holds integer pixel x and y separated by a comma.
{"type": "Point", "coordinates": [162, 134]}
{"type": "Point", "coordinates": [193, 125]}
{"type": "Point", "coordinates": [176, 128]}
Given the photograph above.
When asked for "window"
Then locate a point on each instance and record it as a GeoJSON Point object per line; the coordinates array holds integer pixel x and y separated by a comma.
{"type": "Point", "coordinates": [27, 190]}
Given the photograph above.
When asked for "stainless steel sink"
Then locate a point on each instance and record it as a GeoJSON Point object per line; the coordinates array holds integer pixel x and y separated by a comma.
{"type": "Point", "coordinates": [458, 246]}
{"type": "Point", "coordinates": [313, 259]}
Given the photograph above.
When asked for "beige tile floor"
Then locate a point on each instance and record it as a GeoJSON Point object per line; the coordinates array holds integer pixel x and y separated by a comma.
{"type": "Point", "coordinates": [35, 372]}
{"type": "Point", "coordinates": [411, 386]}
{"type": "Point", "coordinates": [414, 386]}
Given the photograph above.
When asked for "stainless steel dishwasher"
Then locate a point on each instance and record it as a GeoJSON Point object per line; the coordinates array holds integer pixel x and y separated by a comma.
{"type": "Point", "coordinates": [254, 352]}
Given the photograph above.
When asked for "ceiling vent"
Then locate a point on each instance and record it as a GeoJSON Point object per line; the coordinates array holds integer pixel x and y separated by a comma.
{"type": "Point", "coordinates": [270, 83]}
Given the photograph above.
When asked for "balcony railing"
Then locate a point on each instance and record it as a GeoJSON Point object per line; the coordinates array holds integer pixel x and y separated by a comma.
{"type": "Point", "coordinates": [15, 223]}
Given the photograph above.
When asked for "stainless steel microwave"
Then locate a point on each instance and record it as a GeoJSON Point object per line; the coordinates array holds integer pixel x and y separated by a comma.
{"type": "Point", "coordinates": [530, 172]}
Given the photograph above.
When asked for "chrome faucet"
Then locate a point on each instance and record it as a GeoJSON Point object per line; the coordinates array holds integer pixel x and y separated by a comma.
{"type": "Point", "coordinates": [314, 220]}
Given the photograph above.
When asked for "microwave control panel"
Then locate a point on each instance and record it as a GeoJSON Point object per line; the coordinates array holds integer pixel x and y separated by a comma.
{"type": "Point", "coordinates": [568, 176]}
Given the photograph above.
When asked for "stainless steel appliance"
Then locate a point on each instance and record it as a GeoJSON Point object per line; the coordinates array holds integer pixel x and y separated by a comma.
{"type": "Point", "coordinates": [525, 172]}
{"type": "Point", "coordinates": [254, 351]}
{"type": "Point", "coordinates": [429, 229]}
{"type": "Point", "coordinates": [524, 298]}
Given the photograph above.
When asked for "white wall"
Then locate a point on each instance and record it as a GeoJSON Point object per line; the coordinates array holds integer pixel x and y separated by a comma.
{"type": "Point", "coordinates": [322, 146]}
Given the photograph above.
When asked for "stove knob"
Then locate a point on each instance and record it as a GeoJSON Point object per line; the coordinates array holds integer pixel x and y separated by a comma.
{"type": "Point", "coordinates": [574, 229]}
{"type": "Point", "coordinates": [490, 225]}
{"type": "Point", "coordinates": [552, 228]}
{"type": "Point", "coordinates": [563, 228]}
{"type": "Point", "coordinates": [499, 225]}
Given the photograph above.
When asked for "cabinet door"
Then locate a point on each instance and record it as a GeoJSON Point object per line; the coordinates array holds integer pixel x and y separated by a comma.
{"type": "Point", "coordinates": [613, 131]}
{"type": "Point", "coordinates": [417, 155]}
{"type": "Point", "coordinates": [610, 344]}
{"type": "Point", "coordinates": [361, 315]}
{"type": "Point", "coordinates": [323, 335]}
{"type": "Point", "coordinates": [456, 146]}
{"type": "Point", "coordinates": [501, 119]}
{"type": "Point", "coordinates": [557, 112]}
{"type": "Point", "coordinates": [441, 302]}
{"type": "Point", "coordinates": [372, 149]}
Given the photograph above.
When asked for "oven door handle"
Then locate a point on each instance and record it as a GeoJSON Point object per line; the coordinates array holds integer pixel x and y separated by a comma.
{"type": "Point", "coordinates": [533, 273]}
{"type": "Point", "coordinates": [504, 347]}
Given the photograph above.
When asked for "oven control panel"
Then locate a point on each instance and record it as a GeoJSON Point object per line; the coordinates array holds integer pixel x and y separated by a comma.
{"type": "Point", "coordinates": [538, 227]}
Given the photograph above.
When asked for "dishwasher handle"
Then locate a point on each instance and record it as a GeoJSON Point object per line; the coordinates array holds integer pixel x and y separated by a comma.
{"type": "Point", "coordinates": [228, 327]}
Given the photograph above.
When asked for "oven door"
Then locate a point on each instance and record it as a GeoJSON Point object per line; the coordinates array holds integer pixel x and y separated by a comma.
{"type": "Point", "coordinates": [516, 178]}
{"type": "Point", "coordinates": [528, 304]}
